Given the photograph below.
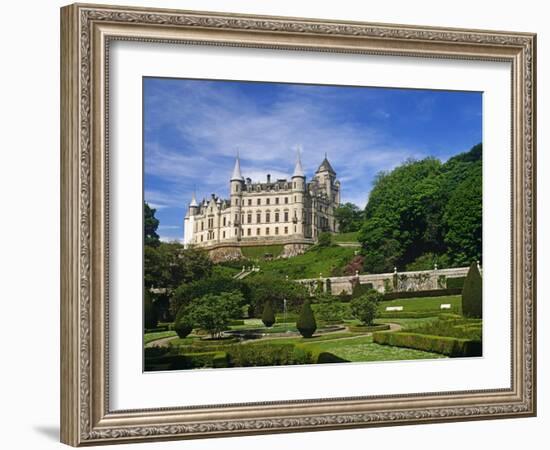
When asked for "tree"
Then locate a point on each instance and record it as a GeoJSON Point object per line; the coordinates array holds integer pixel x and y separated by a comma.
{"type": "Point", "coordinates": [365, 307]}
{"type": "Point", "coordinates": [306, 323]}
{"type": "Point", "coordinates": [274, 289]}
{"type": "Point", "coordinates": [149, 313]}
{"type": "Point", "coordinates": [472, 293]}
{"type": "Point", "coordinates": [268, 316]}
{"type": "Point", "coordinates": [325, 239]}
{"type": "Point", "coordinates": [213, 313]}
{"type": "Point", "coordinates": [183, 324]}
{"type": "Point", "coordinates": [349, 217]}
{"type": "Point", "coordinates": [329, 309]}
{"type": "Point", "coordinates": [150, 225]}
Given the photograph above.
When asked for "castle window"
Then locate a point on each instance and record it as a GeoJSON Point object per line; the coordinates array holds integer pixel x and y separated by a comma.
{"type": "Point", "coordinates": [286, 200]}
{"type": "Point", "coordinates": [258, 231]}
{"type": "Point", "coordinates": [294, 199]}
{"type": "Point", "coordinates": [276, 230]}
{"type": "Point", "coordinates": [295, 228]}
{"type": "Point", "coordinates": [267, 217]}
{"type": "Point", "coordinates": [248, 231]}
{"type": "Point", "coordinates": [286, 230]}
{"type": "Point", "coordinates": [224, 234]}
{"type": "Point", "coordinates": [249, 217]}
{"type": "Point", "coordinates": [267, 231]}
{"type": "Point", "coordinates": [267, 201]}
{"type": "Point", "coordinates": [276, 200]}
{"type": "Point", "coordinates": [202, 225]}
{"type": "Point", "coordinates": [286, 216]}
{"type": "Point", "coordinates": [249, 202]}
{"type": "Point", "coordinates": [258, 217]}
{"type": "Point", "coordinates": [276, 217]}
{"type": "Point", "coordinates": [236, 218]}
{"type": "Point", "coordinates": [201, 237]}
{"type": "Point", "coordinates": [224, 220]}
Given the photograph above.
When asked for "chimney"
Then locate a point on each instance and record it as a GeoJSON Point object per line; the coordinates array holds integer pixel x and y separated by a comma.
{"type": "Point", "coordinates": [269, 178]}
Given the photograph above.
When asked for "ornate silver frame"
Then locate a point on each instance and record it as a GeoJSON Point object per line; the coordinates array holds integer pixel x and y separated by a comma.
{"type": "Point", "coordinates": [86, 31]}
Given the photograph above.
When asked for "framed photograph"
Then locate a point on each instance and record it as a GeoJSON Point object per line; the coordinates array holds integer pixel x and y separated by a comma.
{"type": "Point", "coordinates": [278, 224]}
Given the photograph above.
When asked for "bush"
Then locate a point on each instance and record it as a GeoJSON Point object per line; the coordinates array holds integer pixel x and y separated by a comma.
{"type": "Point", "coordinates": [359, 289]}
{"type": "Point", "coordinates": [328, 358]}
{"type": "Point", "coordinates": [183, 326]}
{"type": "Point", "coordinates": [306, 323]}
{"type": "Point", "coordinates": [450, 346]}
{"type": "Point", "coordinates": [253, 355]}
{"type": "Point", "coordinates": [472, 293]}
{"type": "Point", "coordinates": [365, 308]}
{"type": "Point", "coordinates": [329, 309]}
{"type": "Point", "coordinates": [150, 319]}
{"type": "Point", "coordinates": [325, 240]}
{"type": "Point", "coordinates": [268, 316]}
{"type": "Point", "coordinates": [187, 361]}
{"type": "Point", "coordinates": [455, 283]}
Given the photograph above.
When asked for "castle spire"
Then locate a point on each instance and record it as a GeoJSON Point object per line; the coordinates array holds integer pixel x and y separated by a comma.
{"type": "Point", "coordinates": [298, 170]}
{"type": "Point", "coordinates": [193, 200]}
{"type": "Point", "coordinates": [237, 176]}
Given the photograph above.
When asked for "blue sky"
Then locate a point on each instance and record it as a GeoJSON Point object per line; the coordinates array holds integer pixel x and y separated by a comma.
{"type": "Point", "coordinates": [194, 128]}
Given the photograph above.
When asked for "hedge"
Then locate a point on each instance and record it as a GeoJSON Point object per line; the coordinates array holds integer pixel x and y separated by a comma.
{"type": "Point", "coordinates": [455, 283]}
{"type": "Point", "coordinates": [327, 358]}
{"type": "Point", "coordinates": [186, 361]}
{"type": "Point", "coordinates": [372, 328]}
{"type": "Point", "coordinates": [453, 347]}
{"type": "Point", "coordinates": [427, 293]}
{"type": "Point", "coordinates": [408, 314]}
{"type": "Point", "coordinates": [246, 355]}
{"type": "Point", "coordinates": [157, 329]}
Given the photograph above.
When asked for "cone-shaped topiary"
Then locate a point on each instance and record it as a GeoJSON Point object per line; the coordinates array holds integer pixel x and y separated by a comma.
{"type": "Point", "coordinates": [149, 314]}
{"type": "Point", "coordinates": [306, 321]}
{"type": "Point", "coordinates": [268, 316]}
{"type": "Point", "coordinates": [472, 293]}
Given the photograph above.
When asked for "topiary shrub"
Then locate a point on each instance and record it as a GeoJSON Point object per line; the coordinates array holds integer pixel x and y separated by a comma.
{"type": "Point", "coordinates": [150, 319]}
{"type": "Point", "coordinates": [268, 316]}
{"type": "Point", "coordinates": [306, 323]}
{"type": "Point", "coordinates": [472, 293]}
{"type": "Point", "coordinates": [183, 325]}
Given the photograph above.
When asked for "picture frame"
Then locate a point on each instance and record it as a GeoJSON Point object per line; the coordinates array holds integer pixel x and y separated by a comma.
{"type": "Point", "coordinates": [87, 32]}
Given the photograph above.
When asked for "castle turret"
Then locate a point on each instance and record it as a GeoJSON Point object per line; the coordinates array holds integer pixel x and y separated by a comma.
{"type": "Point", "coordinates": [298, 191]}
{"type": "Point", "coordinates": [236, 186]}
{"type": "Point", "coordinates": [189, 221]}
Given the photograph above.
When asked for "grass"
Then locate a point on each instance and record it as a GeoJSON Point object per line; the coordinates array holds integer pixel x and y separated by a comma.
{"type": "Point", "coordinates": [317, 260]}
{"type": "Point", "coordinates": [150, 337]}
{"type": "Point", "coordinates": [425, 304]}
{"type": "Point", "coordinates": [260, 251]}
{"type": "Point", "coordinates": [459, 328]}
{"type": "Point", "coordinates": [346, 237]}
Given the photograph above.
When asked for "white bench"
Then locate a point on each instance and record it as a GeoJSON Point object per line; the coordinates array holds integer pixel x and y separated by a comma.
{"type": "Point", "coordinates": [394, 308]}
{"type": "Point", "coordinates": [445, 306]}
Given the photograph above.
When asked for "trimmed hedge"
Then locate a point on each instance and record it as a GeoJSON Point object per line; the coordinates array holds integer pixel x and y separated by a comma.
{"type": "Point", "coordinates": [409, 314]}
{"type": "Point", "coordinates": [187, 361]}
{"type": "Point", "coordinates": [455, 283]}
{"type": "Point", "coordinates": [157, 329]}
{"type": "Point", "coordinates": [427, 293]}
{"type": "Point", "coordinates": [328, 358]}
{"type": "Point", "coordinates": [233, 323]}
{"type": "Point", "coordinates": [246, 355]}
{"type": "Point", "coordinates": [453, 347]}
{"type": "Point", "coordinates": [369, 329]}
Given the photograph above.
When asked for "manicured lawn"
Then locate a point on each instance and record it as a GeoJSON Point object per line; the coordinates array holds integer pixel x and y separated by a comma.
{"type": "Point", "coordinates": [150, 337]}
{"type": "Point", "coordinates": [408, 323]}
{"type": "Point", "coordinates": [345, 237]}
{"type": "Point", "coordinates": [318, 260]}
{"type": "Point", "coordinates": [260, 251]}
{"type": "Point", "coordinates": [423, 304]}
{"type": "Point", "coordinates": [362, 349]}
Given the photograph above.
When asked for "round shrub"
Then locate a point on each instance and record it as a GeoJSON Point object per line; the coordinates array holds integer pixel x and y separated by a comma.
{"type": "Point", "coordinates": [183, 326]}
{"type": "Point", "coordinates": [306, 323]}
{"type": "Point", "coordinates": [268, 316]}
{"type": "Point", "coordinates": [365, 308]}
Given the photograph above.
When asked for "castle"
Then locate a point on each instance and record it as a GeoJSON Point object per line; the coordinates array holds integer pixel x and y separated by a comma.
{"type": "Point", "coordinates": [292, 213]}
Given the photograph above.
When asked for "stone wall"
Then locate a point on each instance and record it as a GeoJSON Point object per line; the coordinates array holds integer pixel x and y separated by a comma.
{"type": "Point", "coordinates": [290, 250]}
{"type": "Point", "coordinates": [222, 254]}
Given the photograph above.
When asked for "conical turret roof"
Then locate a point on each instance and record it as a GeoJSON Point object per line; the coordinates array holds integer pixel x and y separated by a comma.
{"type": "Point", "coordinates": [326, 167]}
{"type": "Point", "coordinates": [193, 200]}
{"type": "Point", "coordinates": [298, 170]}
{"type": "Point", "coordinates": [237, 176]}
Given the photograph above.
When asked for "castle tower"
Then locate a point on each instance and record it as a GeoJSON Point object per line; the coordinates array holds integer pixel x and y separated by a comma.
{"type": "Point", "coordinates": [298, 192]}
{"type": "Point", "coordinates": [326, 177]}
{"type": "Point", "coordinates": [189, 222]}
{"type": "Point", "coordinates": [236, 192]}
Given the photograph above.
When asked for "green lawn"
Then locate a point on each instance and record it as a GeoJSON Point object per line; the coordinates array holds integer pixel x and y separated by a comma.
{"type": "Point", "coordinates": [346, 237]}
{"type": "Point", "coordinates": [150, 337]}
{"type": "Point", "coordinates": [425, 304]}
{"type": "Point", "coordinates": [260, 251]}
{"type": "Point", "coordinates": [318, 260]}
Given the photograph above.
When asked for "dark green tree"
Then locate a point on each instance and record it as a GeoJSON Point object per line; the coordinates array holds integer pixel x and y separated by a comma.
{"type": "Point", "coordinates": [306, 323]}
{"type": "Point", "coordinates": [274, 289]}
{"type": "Point", "coordinates": [213, 313]}
{"type": "Point", "coordinates": [149, 313]}
{"type": "Point", "coordinates": [150, 225]}
{"type": "Point", "coordinates": [183, 324]}
{"type": "Point", "coordinates": [472, 303]}
{"type": "Point", "coordinates": [349, 217]}
{"type": "Point", "coordinates": [268, 316]}
{"type": "Point", "coordinates": [329, 308]}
